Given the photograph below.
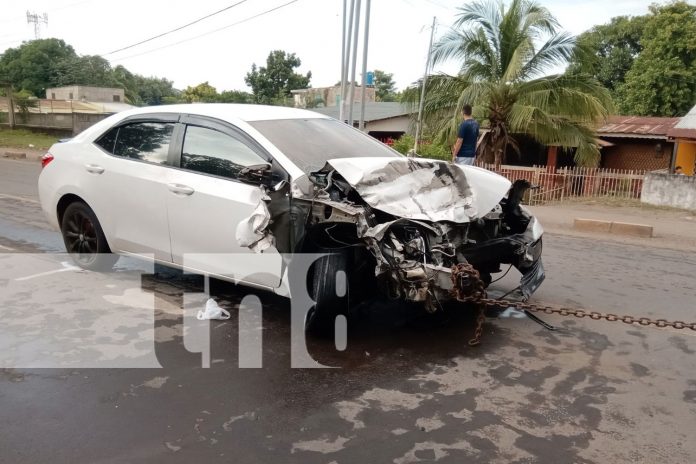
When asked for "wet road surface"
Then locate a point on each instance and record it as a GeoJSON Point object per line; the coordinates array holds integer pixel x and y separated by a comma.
{"type": "Point", "coordinates": [407, 388]}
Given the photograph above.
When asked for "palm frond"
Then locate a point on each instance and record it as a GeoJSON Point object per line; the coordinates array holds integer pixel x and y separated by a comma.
{"type": "Point", "coordinates": [484, 14]}
{"type": "Point", "coordinates": [558, 50]}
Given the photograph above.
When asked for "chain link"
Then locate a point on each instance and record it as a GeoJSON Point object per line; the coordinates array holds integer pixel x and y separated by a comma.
{"type": "Point", "coordinates": [468, 287]}
{"type": "Point", "coordinates": [467, 284]}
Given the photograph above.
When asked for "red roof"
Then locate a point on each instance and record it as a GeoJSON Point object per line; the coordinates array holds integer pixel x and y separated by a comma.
{"type": "Point", "coordinates": [637, 126]}
{"type": "Point", "coordinates": [682, 133]}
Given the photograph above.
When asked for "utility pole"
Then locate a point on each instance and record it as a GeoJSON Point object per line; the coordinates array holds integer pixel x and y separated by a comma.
{"type": "Point", "coordinates": [356, 29]}
{"type": "Point", "coordinates": [419, 121]}
{"type": "Point", "coordinates": [10, 106]}
{"type": "Point", "coordinates": [37, 19]}
{"type": "Point", "coordinates": [347, 32]}
{"type": "Point", "coordinates": [361, 124]}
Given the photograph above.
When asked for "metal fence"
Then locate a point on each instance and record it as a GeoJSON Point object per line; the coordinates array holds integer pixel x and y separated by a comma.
{"type": "Point", "coordinates": [564, 184]}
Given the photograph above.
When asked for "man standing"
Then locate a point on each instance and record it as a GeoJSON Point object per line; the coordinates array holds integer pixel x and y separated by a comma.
{"type": "Point", "coordinates": [464, 151]}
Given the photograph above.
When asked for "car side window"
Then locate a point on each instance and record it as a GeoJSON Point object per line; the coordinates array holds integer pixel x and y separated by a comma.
{"type": "Point", "coordinates": [144, 141]}
{"type": "Point", "coordinates": [108, 140]}
{"type": "Point", "coordinates": [212, 152]}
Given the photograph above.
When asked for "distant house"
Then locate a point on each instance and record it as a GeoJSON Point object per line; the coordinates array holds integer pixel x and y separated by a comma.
{"type": "Point", "coordinates": [636, 142]}
{"type": "Point", "coordinates": [684, 135]}
{"type": "Point", "coordinates": [86, 93]}
{"type": "Point", "coordinates": [68, 109]}
{"type": "Point", "coordinates": [384, 121]}
{"type": "Point", "coordinates": [318, 97]}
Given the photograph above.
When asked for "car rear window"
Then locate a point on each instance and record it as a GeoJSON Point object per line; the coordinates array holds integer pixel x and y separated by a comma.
{"type": "Point", "coordinates": [144, 141]}
{"type": "Point", "coordinates": [310, 143]}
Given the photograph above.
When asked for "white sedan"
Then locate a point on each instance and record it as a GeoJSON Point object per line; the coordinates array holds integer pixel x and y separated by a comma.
{"type": "Point", "coordinates": [189, 185]}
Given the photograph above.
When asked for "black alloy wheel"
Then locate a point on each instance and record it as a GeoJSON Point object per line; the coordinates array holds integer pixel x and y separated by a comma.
{"type": "Point", "coordinates": [84, 238]}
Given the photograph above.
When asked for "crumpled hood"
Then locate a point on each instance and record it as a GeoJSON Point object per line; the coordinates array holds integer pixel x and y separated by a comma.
{"type": "Point", "coordinates": [423, 189]}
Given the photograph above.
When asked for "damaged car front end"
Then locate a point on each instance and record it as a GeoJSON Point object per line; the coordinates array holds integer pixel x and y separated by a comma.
{"type": "Point", "coordinates": [418, 219]}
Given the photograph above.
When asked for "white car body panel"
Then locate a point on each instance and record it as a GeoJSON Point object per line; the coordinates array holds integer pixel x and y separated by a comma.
{"type": "Point", "coordinates": [203, 227]}
{"type": "Point", "coordinates": [423, 189]}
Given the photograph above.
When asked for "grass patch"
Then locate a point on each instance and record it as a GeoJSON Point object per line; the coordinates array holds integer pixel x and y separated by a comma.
{"type": "Point", "coordinates": [22, 138]}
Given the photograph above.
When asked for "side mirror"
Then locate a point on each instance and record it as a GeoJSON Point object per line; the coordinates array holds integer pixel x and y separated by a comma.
{"type": "Point", "coordinates": [255, 169]}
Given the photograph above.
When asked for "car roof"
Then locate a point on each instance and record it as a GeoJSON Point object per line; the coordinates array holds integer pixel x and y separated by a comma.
{"type": "Point", "coordinates": [230, 111]}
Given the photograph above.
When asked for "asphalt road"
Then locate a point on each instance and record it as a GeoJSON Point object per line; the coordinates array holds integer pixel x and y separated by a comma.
{"type": "Point", "coordinates": [407, 388]}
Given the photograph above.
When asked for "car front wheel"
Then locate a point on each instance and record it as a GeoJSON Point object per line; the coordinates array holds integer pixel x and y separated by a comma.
{"type": "Point", "coordinates": [329, 286]}
{"type": "Point", "coordinates": [85, 240]}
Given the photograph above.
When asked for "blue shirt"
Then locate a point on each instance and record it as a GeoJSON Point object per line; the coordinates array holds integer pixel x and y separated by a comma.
{"type": "Point", "coordinates": [468, 132]}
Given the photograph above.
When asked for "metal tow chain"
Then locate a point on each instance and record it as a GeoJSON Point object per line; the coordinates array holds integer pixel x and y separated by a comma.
{"type": "Point", "coordinates": [468, 287]}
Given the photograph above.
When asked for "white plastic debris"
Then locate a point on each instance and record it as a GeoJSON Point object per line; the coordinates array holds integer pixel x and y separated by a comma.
{"type": "Point", "coordinates": [212, 311]}
{"type": "Point", "coordinates": [251, 232]}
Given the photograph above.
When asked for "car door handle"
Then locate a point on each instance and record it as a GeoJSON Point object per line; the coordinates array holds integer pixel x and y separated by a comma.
{"type": "Point", "coordinates": [179, 189]}
{"type": "Point", "coordinates": [94, 169]}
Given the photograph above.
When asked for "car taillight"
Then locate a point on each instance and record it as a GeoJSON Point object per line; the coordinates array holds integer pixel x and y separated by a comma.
{"type": "Point", "coordinates": [45, 159]}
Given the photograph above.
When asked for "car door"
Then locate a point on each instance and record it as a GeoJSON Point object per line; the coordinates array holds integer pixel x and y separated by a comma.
{"type": "Point", "coordinates": [208, 198]}
{"type": "Point", "coordinates": [129, 185]}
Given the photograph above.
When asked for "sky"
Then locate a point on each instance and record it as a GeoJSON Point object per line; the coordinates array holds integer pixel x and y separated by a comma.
{"type": "Point", "coordinates": [398, 34]}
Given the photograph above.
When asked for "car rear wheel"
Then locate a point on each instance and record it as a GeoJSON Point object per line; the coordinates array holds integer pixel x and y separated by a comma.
{"type": "Point", "coordinates": [84, 238]}
{"type": "Point", "coordinates": [330, 290]}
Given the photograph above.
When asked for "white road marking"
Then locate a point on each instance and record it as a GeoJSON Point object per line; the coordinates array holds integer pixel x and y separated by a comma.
{"type": "Point", "coordinates": [66, 267]}
{"type": "Point", "coordinates": [14, 197]}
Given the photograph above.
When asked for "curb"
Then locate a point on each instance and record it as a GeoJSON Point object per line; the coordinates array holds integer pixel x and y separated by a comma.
{"type": "Point", "coordinates": [617, 228]}
{"type": "Point", "coordinates": [14, 155]}
{"type": "Point", "coordinates": [20, 155]}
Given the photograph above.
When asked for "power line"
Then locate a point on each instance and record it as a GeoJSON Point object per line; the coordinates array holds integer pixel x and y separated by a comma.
{"type": "Point", "coordinates": [177, 28]}
{"type": "Point", "coordinates": [209, 32]}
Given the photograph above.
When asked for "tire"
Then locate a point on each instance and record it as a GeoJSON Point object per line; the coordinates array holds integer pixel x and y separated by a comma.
{"type": "Point", "coordinates": [84, 238]}
{"type": "Point", "coordinates": [320, 320]}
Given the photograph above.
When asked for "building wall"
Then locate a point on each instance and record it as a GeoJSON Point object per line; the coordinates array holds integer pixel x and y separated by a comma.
{"type": "Point", "coordinates": [69, 122]}
{"type": "Point", "coordinates": [669, 190]}
{"type": "Point", "coordinates": [398, 124]}
{"type": "Point", "coordinates": [639, 154]}
{"type": "Point", "coordinates": [686, 156]}
{"type": "Point", "coordinates": [95, 94]}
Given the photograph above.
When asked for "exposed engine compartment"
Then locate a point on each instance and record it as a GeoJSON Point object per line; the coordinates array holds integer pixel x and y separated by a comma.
{"type": "Point", "coordinates": [413, 256]}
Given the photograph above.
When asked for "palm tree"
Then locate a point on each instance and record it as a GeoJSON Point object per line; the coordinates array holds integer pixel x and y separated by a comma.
{"type": "Point", "coordinates": [505, 55]}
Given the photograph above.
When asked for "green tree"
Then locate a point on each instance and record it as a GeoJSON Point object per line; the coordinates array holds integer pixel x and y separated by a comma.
{"type": "Point", "coordinates": [155, 90]}
{"type": "Point", "coordinates": [82, 70]}
{"type": "Point", "coordinates": [385, 87]}
{"type": "Point", "coordinates": [31, 65]}
{"type": "Point", "coordinates": [202, 93]}
{"type": "Point", "coordinates": [426, 148]}
{"type": "Point", "coordinates": [24, 100]}
{"type": "Point", "coordinates": [235, 96]}
{"type": "Point", "coordinates": [505, 53]}
{"type": "Point", "coordinates": [662, 79]}
{"type": "Point", "coordinates": [272, 83]}
{"type": "Point", "coordinates": [613, 48]}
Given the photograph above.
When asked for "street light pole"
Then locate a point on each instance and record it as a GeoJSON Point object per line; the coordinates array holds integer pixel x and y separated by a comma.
{"type": "Point", "coordinates": [419, 121]}
{"type": "Point", "coordinates": [345, 56]}
{"type": "Point", "coordinates": [10, 106]}
{"type": "Point", "coordinates": [351, 95]}
{"type": "Point", "coordinates": [361, 124]}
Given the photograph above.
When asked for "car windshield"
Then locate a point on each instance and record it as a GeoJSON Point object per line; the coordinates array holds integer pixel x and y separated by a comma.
{"type": "Point", "coordinates": [310, 143]}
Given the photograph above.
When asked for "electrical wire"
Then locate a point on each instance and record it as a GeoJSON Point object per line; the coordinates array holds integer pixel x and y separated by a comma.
{"type": "Point", "coordinates": [209, 32]}
{"type": "Point", "coordinates": [210, 15]}
{"type": "Point", "coordinates": [506, 273]}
